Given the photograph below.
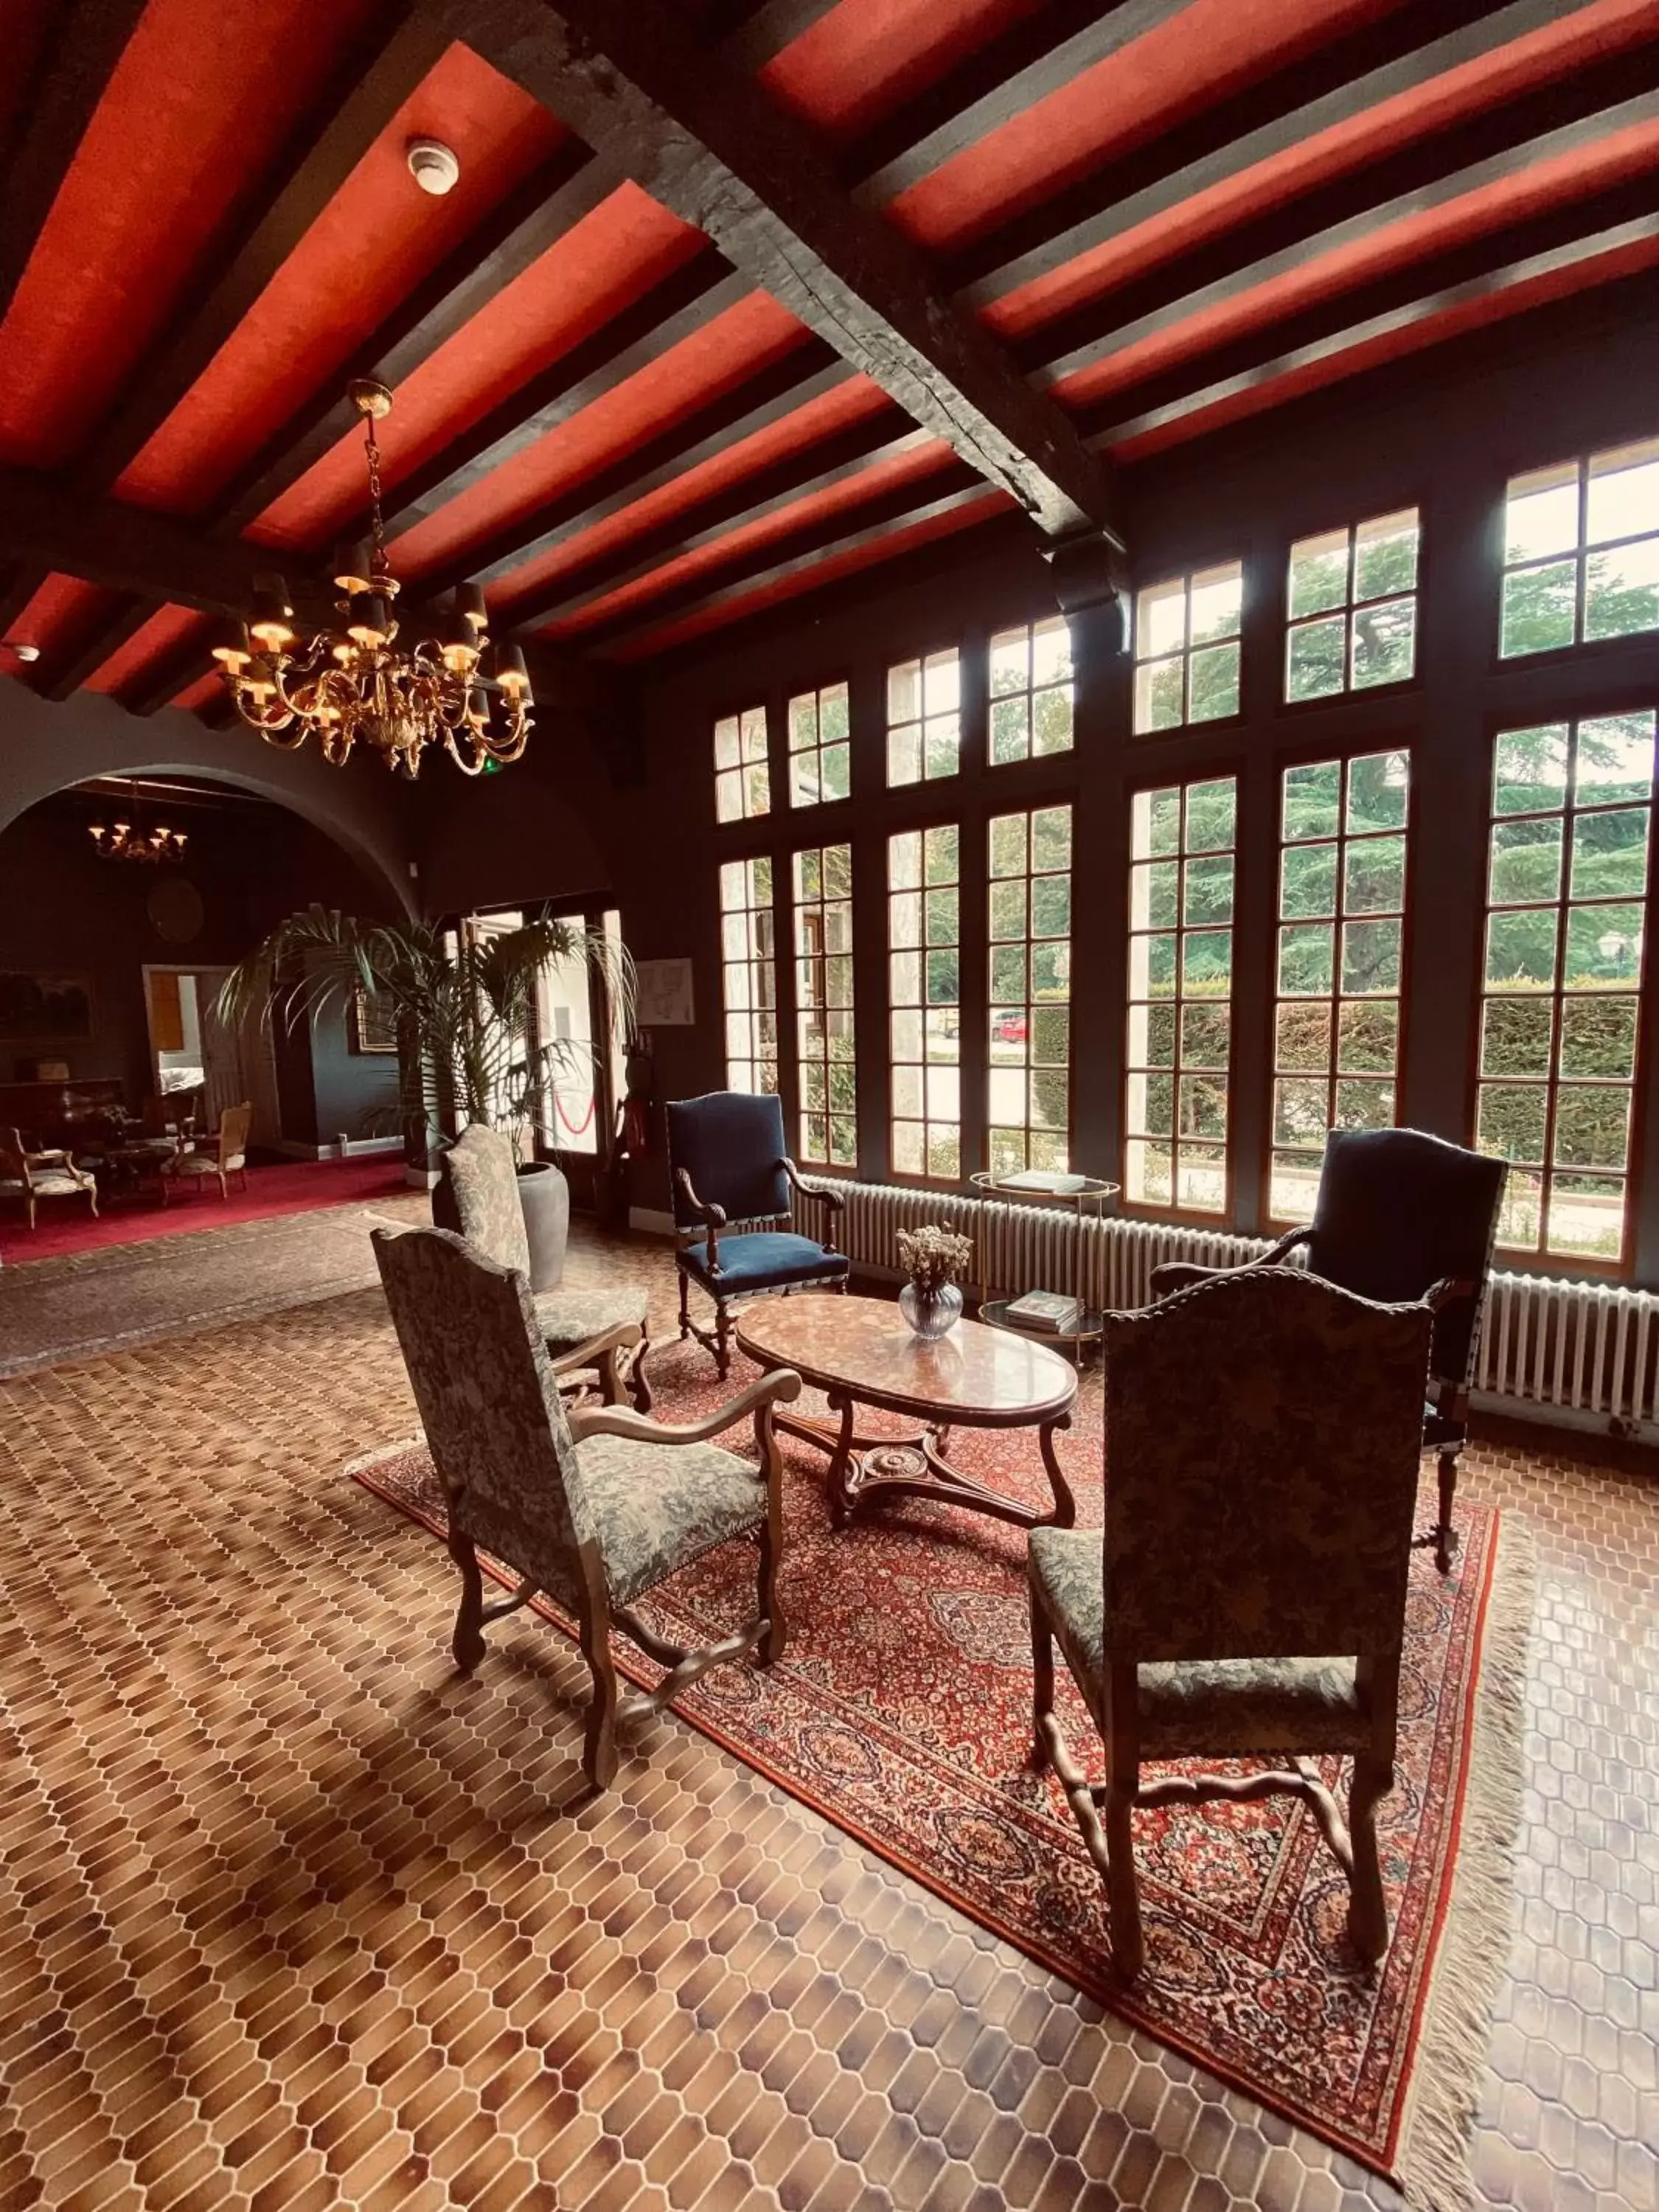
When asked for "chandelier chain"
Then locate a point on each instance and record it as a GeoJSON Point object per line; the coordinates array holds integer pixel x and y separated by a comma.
{"type": "Point", "coordinates": [377, 526]}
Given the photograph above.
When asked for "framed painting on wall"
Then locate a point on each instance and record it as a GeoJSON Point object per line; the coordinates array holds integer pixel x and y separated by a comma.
{"type": "Point", "coordinates": [374, 1025]}
{"type": "Point", "coordinates": [44, 1004]}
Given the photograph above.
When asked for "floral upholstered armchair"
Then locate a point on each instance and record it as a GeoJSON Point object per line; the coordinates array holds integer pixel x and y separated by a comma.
{"type": "Point", "coordinates": [32, 1176]}
{"type": "Point", "coordinates": [1398, 1213]}
{"type": "Point", "coordinates": [603, 1331]}
{"type": "Point", "coordinates": [1249, 1595]}
{"type": "Point", "coordinates": [594, 1509]}
{"type": "Point", "coordinates": [728, 1163]}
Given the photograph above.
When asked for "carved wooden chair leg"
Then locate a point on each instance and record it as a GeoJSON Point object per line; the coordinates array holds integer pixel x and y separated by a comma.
{"type": "Point", "coordinates": [1368, 1916]}
{"type": "Point", "coordinates": [467, 1644]}
{"type": "Point", "coordinates": [93, 1197]}
{"type": "Point", "coordinates": [776, 1640]}
{"type": "Point", "coordinates": [638, 1387]}
{"type": "Point", "coordinates": [723, 1335]}
{"type": "Point", "coordinates": [599, 1747]}
{"type": "Point", "coordinates": [1123, 1768]}
{"type": "Point", "coordinates": [1043, 1682]}
{"type": "Point", "coordinates": [1445, 1540]}
{"type": "Point", "coordinates": [611, 1389]}
{"type": "Point", "coordinates": [685, 1307]}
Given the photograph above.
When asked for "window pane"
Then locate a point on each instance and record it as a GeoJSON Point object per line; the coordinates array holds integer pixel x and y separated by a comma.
{"type": "Point", "coordinates": [1540, 608]}
{"type": "Point", "coordinates": [1621, 590]}
{"type": "Point", "coordinates": [749, 976]}
{"type": "Point", "coordinates": [925, 1000]}
{"type": "Point", "coordinates": [1319, 574]}
{"type": "Point", "coordinates": [1623, 492]}
{"type": "Point", "coordinates": [1316, 655]}
{"type": "Point", "coordinates": [1561, 1016]}
{"type": "Point", "coordinates": [1540, 514]}
{"type": "Point", "coordinates": [923, 739]}
{"type": "Point", "coordinates": [819, 755]}
{"type": "Point", "coordinates": [1187, 659]}
{"type": "Point", "coordinates": [742, 784]}
{"type": "Point", "coordinates": [1582, 551]}
{"type": "Point", "coordinates": [1180, 982]}
{"type": "Point", "coordinates": [821, 878]}
{"type": "Point", "coordinates": [1028, 1078]}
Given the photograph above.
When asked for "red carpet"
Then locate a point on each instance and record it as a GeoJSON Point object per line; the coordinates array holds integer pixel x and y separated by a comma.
{"type": "Point", "coordinates": [66, 1225]}
{"type": "Point", "coordinates": [901, 1710]}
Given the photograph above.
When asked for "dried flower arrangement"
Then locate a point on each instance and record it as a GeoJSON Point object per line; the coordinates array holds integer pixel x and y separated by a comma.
{"type": "Point", "coordinates": [934, 1256]}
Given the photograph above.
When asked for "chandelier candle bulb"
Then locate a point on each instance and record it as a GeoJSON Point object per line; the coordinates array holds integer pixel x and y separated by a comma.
{"type": "Point", "coordinates": [511, 674]}
{"type": "Point", "coordinates": [470, 605]}
{"type": "Point", "coordinates": [354, 567]}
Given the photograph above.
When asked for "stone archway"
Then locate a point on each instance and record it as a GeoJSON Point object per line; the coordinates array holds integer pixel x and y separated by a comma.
{"type": "Point", "coordinates": [45, 746]}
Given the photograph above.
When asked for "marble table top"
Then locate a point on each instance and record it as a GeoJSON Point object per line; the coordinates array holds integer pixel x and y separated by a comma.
{"type": "Point", "coordinates": [987, 1377]}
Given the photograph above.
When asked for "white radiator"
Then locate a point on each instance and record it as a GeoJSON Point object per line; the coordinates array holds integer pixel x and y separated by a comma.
{"type": "Point", "coordinates": [1585, 1355]}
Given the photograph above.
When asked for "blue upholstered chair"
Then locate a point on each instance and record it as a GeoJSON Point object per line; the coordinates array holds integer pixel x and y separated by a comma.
{"type": "Point", "coordinates": [1398, 1211]}
{"type": "Point", "coordinates": [728, 1164]}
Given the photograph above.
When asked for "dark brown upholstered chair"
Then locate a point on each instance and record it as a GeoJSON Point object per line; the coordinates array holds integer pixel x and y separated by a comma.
{"type": "Point", "coordinates": [1248, 1594]}
{"type": "Point", "coordinates": [594, 1509]}
{"type": "Point", "coordinates": [1399, 1212]}
{"type": "Point", "coordinates": [728, 1163]}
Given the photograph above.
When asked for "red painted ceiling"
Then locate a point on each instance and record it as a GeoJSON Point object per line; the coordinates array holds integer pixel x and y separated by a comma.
{"type": "Point", "coordinates": [213, 100]}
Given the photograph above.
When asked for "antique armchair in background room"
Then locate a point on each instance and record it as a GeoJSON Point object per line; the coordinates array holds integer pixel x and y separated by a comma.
{"type": "Point", "coordinates": [603, 1331]}
{"type": "Point", "coordinates": [727, 1163]}
{"type": "Point", "coordinates": [593, 1509]}
{"type": "Point", "coordinates": [1397, 1212]}
{"type": "Point", "coordinates": [32, 1176]}
{"type": "Point", "coordinates": [1249, 1595]}
{"type": "Point", "coordinates": [224, 1155]}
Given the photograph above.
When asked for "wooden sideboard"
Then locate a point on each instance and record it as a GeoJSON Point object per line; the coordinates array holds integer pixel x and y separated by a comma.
{"type": "Point", "coordinates": [69, 1115]}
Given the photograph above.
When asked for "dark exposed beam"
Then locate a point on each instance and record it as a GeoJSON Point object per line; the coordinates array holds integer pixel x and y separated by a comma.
{"type": "Point", "coordinates": [672, 310]}
{"type": "Point", "coordinates": [890, 504]}
{"type": "Point", "coordinates": [1469, 274]}
{"type": "Point", "coordinates": [1409, 47]}
{"type": "Point", "coordinates": [569, 186]}
{"type": "Point", "coordinates": [970, 492]}
{"type": "Point", "coordinates": [158, 686]}
{"type": "Point", "coordinates": [1032, 57]}
{"type": "Point", "coordinates": [67, 670]}
{"type": "Point", "coordinates": [86, 40]}
{"type": "Point", "coordinates": [129, 548]}
{"type": "Point", "coordinates": [768, 29]}
{"type": "Point", "coordinates": [19, 582]}
{"type": "Point", "coordinates": [696, 436]}
{"type": "Point", "coordinates": [380, 82]}
{"type": "Point", "coordinates": [1174, 294]}
{"type": "Point", "coordinates": [835, 460]}
{"type": "Point", "coordinates": [716, 149]}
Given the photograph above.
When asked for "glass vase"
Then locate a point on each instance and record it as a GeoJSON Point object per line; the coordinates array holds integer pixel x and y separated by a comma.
{"type": "Point", "coordinates": [931, 1313]}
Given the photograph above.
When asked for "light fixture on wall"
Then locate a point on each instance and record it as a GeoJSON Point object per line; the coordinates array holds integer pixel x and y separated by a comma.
{"type": "Point", "coordinates": [131, 841]}
{"type": "Point", "coordinates": [355, 683]}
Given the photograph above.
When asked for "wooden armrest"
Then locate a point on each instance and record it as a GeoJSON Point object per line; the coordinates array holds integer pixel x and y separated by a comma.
{"type": "Point", "coordinates": [617, 1421]}
{"type": "Point", "coordinates": [1172, 1275]}
{"type": "Point", "coordinates": [615, 1339]}
{"type": "Point", "coordinates": [1279, 1252]}
{"type": "Point", "coordinates": [53, 1157]}
{"type": "Point", "coordinates": [835, 1199]}
{"type": "Point", "coordinates": [1447, 1292]}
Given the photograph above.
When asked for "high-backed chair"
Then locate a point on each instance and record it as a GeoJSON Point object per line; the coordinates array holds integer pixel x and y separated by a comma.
{"type": "Point", "coordinates": [223, 1155]}
{"type": "Point", "coordinates": [594, 1509]}
{"type": "Point", "coordinates": [1248, 1596]}
{"type": "Point", "coordinates": [1399, 1212]}
{"type": "Point", "coordinates": [728, 1163]}
{"type": "Point", "coordinates": [585, 1331]}
{"type": "Point", "coordinates": [34, 1175]}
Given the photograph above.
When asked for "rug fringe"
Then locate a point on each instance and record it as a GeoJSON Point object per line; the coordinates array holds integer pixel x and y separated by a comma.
{"type": "Point", "coordinates": [1434, 2160]}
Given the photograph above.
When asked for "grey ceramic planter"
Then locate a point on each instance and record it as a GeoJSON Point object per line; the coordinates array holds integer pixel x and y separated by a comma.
{"type": "Point", "coordinates": [545, 1197]}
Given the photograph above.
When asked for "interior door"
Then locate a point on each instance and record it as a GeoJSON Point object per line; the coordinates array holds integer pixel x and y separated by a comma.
{"type": "Point", "coordinates": [222, 1083]}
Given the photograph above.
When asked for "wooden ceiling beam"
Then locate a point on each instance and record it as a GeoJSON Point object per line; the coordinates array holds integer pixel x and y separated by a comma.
{"type": "Point", "coordinates": [672, 310]}
{"type": "Point", "coordinates": [835, 460]}
{"type": "Point", "coordinates": [765, 31]}
{"type": "Point", "coordinates": [1035, 56]}
{"type": "Point", "coordinates": [1409, 47]}
{"type": "Point", "coordinates": [1475, 271]}
{"type": "Point", "coordinates": [700, 435]}
{"type": "Point", "coordinates": [85, 653]}
{"type": "Point", "coordinates": [1171, 296]}
{"type": "Point", "coordinates": [158, 686]}
{"type": "Point", "coordinates": [324, 154]}
{"type": "Point", "coordinates": [79, 57]}
{"type": "Point", "coordinates": [717, 150]}
{"type": "Point", "coordinates": [569, 186]}
{"type": "Point", "coordinates": [876, 522]}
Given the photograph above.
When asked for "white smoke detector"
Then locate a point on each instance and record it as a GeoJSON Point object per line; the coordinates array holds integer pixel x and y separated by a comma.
{"type": "Point", "coordinates": [20, 651]}
{"type": "Point", "coordinates": [433, 166]}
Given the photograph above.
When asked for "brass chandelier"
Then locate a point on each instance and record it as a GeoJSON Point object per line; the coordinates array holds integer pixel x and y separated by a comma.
{"type": "Point", "coordinates": [357, 683]}
{"type": "Point", "coordinates": [130, 840]}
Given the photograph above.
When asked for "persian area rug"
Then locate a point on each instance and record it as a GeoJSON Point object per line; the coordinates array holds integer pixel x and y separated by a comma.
{"type": "Point", "coordinates": [901, 1712]}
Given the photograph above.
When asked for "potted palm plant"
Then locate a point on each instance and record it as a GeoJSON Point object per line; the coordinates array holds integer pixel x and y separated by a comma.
{"type": "Point", "coordinates": [464, 1010]}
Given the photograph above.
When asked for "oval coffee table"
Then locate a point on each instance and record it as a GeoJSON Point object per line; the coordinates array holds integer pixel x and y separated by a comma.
{"type": "Point", "coordinates": [860, 1351]}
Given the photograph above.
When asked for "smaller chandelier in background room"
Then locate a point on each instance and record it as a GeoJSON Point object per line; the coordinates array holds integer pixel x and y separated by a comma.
{"type": "Point", "coordinates": [130, 840]}
{"type": "Point", "coordinates": [356, 684]}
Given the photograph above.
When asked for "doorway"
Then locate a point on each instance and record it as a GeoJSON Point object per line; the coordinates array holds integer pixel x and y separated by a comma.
{"type": "Point", "coordinates": [194, 1056]}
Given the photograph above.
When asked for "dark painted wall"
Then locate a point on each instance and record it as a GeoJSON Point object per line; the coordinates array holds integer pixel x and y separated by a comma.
{"type": "Point", "coordinates": [63, 907]}
{"type": "Point", "coordinates": [1443, 433]}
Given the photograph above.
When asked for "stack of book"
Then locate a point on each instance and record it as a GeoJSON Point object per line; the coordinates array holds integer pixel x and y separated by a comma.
{"type": "Point", "coordinates": [1051, 1310]}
